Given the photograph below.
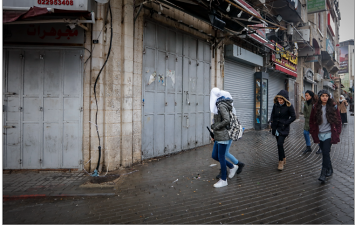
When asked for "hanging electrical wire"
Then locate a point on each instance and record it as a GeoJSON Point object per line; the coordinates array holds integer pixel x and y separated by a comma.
{"type": "Point", "coordinates": [96, 173]}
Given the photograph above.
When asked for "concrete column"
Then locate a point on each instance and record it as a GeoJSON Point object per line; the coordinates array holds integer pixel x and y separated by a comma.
{"type": "Point", "coordinates": [127, 84]}
{"type": "Point", "coordinates": [137, 90]}
{"type": "Point", "coordinates": [98, 58]}
{"type": "Point", "coordinates": [112, 139]}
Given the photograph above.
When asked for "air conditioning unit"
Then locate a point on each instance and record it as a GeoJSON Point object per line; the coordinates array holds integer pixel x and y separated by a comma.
{"type": "Point", "coordinates": [305, 35]}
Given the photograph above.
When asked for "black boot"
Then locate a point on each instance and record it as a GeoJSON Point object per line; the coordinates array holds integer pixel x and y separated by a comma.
{"type": "Point", "coordinates": [322, 174]}
{"type": "Point", "coordinates": [308, 149]}
{"type": "Point", "coordinates": [220, 174]}
{"type": "Point", "coordinates": [319, 151]}
{"type": "Point", "coordinates": [329, 171]}
{"type": "Point", "coordinates": [240, 167]}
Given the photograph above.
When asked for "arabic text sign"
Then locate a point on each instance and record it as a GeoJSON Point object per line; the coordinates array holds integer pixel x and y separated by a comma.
{"type": "Point", "coordinates": [43, 33]}
{"type": "Point", "coordinates": [314, 6]}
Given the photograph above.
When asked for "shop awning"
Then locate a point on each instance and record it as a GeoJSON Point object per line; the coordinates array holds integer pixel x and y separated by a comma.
{"type": "Point", "coordinates": [11, 16]}
{"type": "Point", "coordinates": [285, 70]}
{"type": "Point", "coordinates": [309, 80]}
{"type": "Point", "coordinates": [202, 11]}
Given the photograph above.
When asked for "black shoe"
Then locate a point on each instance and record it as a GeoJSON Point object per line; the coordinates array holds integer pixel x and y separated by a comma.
{"type": "Point", "coordinates": [322, 174]}
{"type": "Point", "coordinates": [240, 167]}
{"type": "Point", "coordinates": [308, 149]}
{"type": "Point", "coordinates": [319, 151]}
{"type": "Point", "coordinates": [220, 174]}
{"type": "Point", "coordinates": [329, 171]}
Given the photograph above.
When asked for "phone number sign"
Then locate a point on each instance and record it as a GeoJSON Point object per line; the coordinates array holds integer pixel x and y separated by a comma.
{"type": "Point", "coordinates": [78, 5]}
{"type": "Point", "coordinates": [55, 2]}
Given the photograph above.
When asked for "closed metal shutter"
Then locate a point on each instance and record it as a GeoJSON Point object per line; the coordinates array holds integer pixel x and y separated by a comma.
{"type": "Point", "coordinates": [307, 86]}
{"type": "Point", "coordinates": [276, 84]}
{"type": "Point", "coordinates": [176, 102]}
{"type": "Point", "coordinates": [238, 81]}
{"type": "Point", "coordinates": [43, 113]}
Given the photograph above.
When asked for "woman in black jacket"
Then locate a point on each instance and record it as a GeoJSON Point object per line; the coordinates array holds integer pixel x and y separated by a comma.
{"type": "Point", "coordinates": [282, 115]}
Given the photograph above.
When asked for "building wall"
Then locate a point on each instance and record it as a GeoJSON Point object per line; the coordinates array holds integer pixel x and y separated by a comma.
{"type": "Point", "coordinates": [119, 88]}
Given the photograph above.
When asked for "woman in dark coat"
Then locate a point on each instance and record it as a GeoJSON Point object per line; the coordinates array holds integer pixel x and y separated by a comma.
{"type": "Point", "coordinates": [282, 115]}
{"type": "Point", "coordinates": [325, 127]}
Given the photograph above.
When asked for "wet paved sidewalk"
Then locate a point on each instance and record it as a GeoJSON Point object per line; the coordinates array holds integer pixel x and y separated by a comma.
{"type": "Point", "coordinates": [165, 191]}
{"type": "Point", "coordinates": [31, 184]}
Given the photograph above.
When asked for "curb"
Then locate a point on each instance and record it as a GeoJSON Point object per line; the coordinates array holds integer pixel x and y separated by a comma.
{"type": "Point", "coordinates": [16, 197]}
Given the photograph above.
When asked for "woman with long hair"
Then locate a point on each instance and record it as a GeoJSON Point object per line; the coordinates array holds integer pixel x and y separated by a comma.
{"type": "Point", "coordinates": [325, 128]}
{"type": "Point", "coordinates": [311, 99]}
{"type": "Point", "coordinates": [282, 115]}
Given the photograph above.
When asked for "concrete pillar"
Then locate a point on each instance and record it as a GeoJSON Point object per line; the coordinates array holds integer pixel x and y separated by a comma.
{"type": "Point", "coordinates": [127, 84]}
{"type": "Point", "coordinates": [97, 61]}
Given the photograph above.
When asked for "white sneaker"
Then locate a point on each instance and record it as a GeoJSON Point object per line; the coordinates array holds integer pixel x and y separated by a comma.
{"type": "Point", "coordinates": [220, 183]}
{"type": "Point", "coordinates": [232, 171]}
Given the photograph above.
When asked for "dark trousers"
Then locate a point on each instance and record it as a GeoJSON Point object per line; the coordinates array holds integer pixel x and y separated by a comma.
{"type": "Point", "coordinates": [280, 146]}
{"type": "Point", "coordinates": [344, 118]}
{"type": "Point", "coordinates": [220, 155]}
{"type": "Point", "coordinates": [326, 146]}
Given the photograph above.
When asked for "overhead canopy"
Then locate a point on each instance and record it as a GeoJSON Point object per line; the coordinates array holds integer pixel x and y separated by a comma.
{"type": "Point", "coordinates": [11, 16]}
{"type": "Point", "coordinates": [201, 10]}
{"type": "Point", "coordinates": [38, 12]}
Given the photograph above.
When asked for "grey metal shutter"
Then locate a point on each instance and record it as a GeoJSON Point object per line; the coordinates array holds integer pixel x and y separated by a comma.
{"type": "Point", "coordinates": [43, 113]}
{"type": "Point", "coordinates": [307, 86]}
{"type": "Point", "coordinates": [238, 80]}
{"type": "Point", "coordinates": [276, 84]}
{"type": "Point", "coordinates": [176, 102]}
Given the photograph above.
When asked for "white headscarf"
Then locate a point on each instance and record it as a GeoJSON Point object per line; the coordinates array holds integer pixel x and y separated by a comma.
{"type": "Point", "coordinates": [341, 98]}
{"type": "Point", "coordinates": [226, 94]}
{"type": "Point", "coordinates": [215, 94]}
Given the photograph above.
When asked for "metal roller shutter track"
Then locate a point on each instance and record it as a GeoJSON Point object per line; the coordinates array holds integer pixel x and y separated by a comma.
{"type": "Point", "coordinates": [238, 80]}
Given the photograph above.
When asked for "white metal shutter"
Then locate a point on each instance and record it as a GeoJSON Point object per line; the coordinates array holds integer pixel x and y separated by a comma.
{"type": "Point", "coordinates": [276, 84]}
{"type": "Point", "coordinates": [238, 81]}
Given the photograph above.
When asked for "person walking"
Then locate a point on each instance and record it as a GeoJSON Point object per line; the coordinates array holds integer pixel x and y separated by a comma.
{"type": "Point", "coordinates": [325, 128]}
{"type": "Point", "coordinates": [342, 104]}
{"type": "Point", "coordinates": [282, 115]}
{"type": "Point", "coordinates": [307, 108]}
{"type": "Point", "coordinates": [229, 156]}
{"type": "Point", "coordinates": [220, 107]}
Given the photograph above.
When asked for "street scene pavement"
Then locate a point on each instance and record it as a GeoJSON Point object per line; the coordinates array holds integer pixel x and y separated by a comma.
{"type": "Point", "coordinates": [179, 188]}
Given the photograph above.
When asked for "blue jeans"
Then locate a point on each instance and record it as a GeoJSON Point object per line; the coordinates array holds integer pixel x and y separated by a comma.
{"type": "Point", "coordinates": [306, 136]}
{"type": "Point", "coordinates": [219, 154]}
{"type": "Point", "coordinates": [228, 155]}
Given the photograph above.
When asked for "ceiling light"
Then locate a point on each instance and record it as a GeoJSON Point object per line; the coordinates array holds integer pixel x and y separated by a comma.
{"type": "Point", "coordinates": [279, 18]}
{"type": "Point", "coordinates": [228, 8]}
{"type": "Point", "coordinates": [240, 14]}
{"type": "Point", "coordinates": [277, 29]}
{"type": "Point", "coordinates": [250, 18]}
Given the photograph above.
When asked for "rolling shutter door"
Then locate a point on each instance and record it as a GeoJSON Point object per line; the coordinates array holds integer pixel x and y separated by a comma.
{"type": "Point", "coordinates": [238, 81]}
